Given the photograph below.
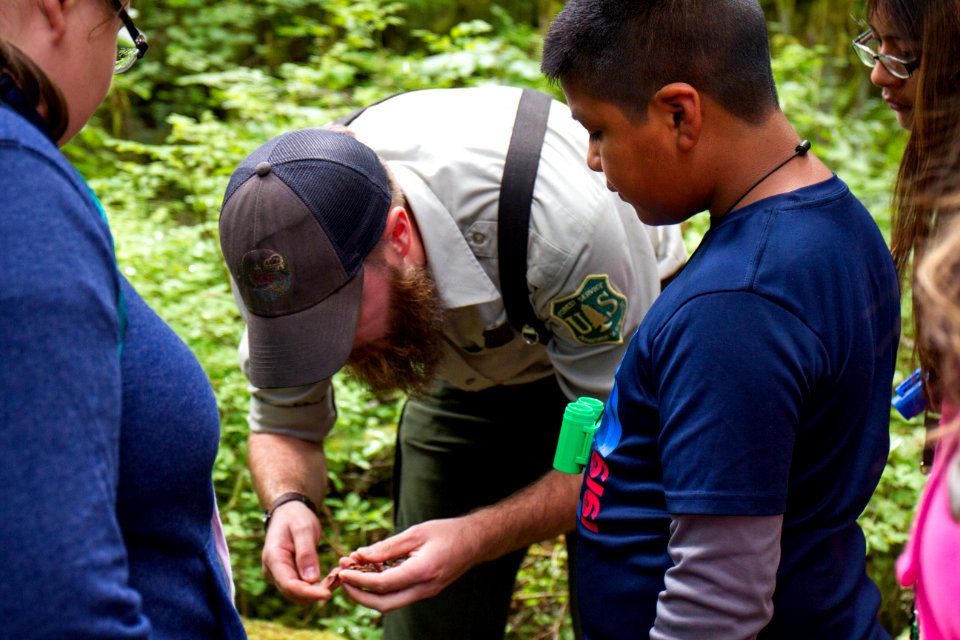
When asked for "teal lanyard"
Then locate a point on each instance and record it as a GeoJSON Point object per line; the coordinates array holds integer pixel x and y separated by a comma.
{"type": "Point", "coordinates": [121, 301]}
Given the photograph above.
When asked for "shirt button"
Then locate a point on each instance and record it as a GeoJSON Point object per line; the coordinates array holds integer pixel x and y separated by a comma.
{"type": "Point", "coordinates": [478, 237]}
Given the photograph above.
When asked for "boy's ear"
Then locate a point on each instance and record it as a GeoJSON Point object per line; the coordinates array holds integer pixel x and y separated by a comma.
{"type": "Point", "coordinates": [678, 105]}
{"type": "Point", "coordinates": [53, 12]}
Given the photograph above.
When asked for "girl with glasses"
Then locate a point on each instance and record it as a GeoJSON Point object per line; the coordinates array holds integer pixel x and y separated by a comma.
{"type": "Point", "coordinates": [891, 47]}
{"type": "Point", "coordinates": [108, 425]}
{"type": "Point", "coordinates": [926, 97]}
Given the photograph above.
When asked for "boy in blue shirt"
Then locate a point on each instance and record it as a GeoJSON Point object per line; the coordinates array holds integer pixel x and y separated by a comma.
{"type": "Point", "coordinates": [748, 425]}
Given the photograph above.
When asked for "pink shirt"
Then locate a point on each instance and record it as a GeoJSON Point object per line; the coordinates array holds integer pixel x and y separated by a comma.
{"type": "Point", "coordinates": [223, 553]}
{"type": "Point", "coordinates": [931, 560]}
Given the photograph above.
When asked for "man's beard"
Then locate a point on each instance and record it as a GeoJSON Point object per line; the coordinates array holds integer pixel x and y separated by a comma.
{"type": "Point", "coordinates": [406, 358]}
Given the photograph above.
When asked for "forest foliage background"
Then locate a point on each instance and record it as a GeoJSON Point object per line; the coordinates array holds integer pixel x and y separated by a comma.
{"type": "Point", "coordinates": [221, 78]}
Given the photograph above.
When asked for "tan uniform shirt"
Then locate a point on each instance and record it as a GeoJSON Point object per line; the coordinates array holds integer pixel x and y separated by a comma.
{"type": "Point", "coordinates": [592, 268]}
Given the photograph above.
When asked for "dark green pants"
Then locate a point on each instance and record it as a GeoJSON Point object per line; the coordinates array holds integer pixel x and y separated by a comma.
{"type": "Point", "coordinates": [457, 451]}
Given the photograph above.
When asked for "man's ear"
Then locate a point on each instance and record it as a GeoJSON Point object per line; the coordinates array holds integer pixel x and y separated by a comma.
{"type": "Point", "coordinates": [678, 104]}
{"type": "Point", "coordinates": [54, 13]}
{"type": "Point", "coordinates": [398, 232]}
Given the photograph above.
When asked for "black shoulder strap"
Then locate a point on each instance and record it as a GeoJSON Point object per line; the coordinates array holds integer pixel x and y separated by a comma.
{"type": "Point", "coordinates": [513, 226]}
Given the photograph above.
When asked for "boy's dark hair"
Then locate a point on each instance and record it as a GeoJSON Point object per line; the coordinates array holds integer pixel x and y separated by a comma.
{"type": "Point", "coordinates": [624, 51]}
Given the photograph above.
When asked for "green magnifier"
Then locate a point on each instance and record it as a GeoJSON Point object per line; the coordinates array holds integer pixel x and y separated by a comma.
{"type": "Point", "coordinates": [581, 419]}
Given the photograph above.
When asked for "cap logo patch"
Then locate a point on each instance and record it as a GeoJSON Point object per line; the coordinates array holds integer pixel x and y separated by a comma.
{"type": "Point", "coordinates": [595, 313]}
{"type": "Point", "coordinates": [267, 273]}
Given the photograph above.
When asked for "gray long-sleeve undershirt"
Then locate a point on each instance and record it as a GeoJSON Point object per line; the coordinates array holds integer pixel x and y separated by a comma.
{"type": "Point", "coordinates": [723, 577]}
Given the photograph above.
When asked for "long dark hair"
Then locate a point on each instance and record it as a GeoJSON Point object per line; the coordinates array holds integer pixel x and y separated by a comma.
{"type": "Point", "coordinates": [36, 87]}
{"type": "Point", "coordinates": [926, 178]}
{"type": "Point", "coordinates": [905, 16]}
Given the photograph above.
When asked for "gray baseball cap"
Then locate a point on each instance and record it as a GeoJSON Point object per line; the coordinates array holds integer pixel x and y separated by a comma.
{"type": "Point", "coordinates": [299, 216]}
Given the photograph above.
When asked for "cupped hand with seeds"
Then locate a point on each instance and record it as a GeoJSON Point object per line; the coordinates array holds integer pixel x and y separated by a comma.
{"type": "Point", "coordinates": [437, 552]}
{"type": "Point", "coordinates": [414, 564]}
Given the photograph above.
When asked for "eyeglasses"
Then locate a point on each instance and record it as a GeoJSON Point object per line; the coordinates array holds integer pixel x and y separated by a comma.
{"type": "Point", "coordinates": [131, 44]}
{"type": "Point", "coordinates": [866, 45]}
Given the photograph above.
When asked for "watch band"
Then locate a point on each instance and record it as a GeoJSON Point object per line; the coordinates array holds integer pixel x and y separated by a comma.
{"type": "Point", "coordinates": [284, 498]}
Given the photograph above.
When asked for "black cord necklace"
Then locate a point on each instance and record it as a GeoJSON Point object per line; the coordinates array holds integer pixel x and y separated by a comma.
{"type": "Point", "coordinates": [801, 150]}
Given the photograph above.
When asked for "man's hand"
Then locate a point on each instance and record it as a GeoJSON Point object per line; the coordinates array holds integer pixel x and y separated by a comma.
{"type": "Point", "coordinates": [281, 464]}
{"type": "Point", "coordinates": [437, 552]}
{"type": "Point", "coordinates": [290, 554]}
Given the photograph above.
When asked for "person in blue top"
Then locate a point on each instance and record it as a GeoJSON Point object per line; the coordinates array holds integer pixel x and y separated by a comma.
{"type": "Point", "coordinates": [747, 428]}
{"type": "Point", "coordinates": [108, 425]}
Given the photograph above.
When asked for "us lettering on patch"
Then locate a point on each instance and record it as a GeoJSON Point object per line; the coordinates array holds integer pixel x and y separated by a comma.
{"type": "Point", "coordinates": [595, 313]}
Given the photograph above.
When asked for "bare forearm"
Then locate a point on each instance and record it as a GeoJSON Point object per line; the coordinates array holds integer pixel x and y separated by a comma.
{"type": "Point", "coordinates": [541, 511]}
{"type": "Point", "coordinates": [280, 464]}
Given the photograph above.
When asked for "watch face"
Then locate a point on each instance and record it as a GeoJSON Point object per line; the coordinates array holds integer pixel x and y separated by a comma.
{"type": "Point", "coordinates": [266, 520]}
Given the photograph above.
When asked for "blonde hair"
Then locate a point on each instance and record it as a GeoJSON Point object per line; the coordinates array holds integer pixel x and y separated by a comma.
{"type": "Point", "coordinates": [938, 292]}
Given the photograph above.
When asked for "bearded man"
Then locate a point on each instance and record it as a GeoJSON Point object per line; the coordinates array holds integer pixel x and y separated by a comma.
{"type": "Point", "coordinates": [376, 250]}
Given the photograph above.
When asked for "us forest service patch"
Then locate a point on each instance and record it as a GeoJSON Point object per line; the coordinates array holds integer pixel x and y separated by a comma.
{"type": "Point", "coordinates": [595, 313]}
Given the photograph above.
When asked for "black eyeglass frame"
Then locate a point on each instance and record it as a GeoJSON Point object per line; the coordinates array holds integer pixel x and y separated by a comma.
{"type": "Point", "coordinates": [138, 38]}
{"type": "Point", "coordinates": [861, 48]}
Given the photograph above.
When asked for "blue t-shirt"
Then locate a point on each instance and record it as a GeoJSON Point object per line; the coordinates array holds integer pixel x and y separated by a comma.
{"type": "Point", "coordinates": [106, 495]}
{"type": "Point", "coordinates": [758, 384]}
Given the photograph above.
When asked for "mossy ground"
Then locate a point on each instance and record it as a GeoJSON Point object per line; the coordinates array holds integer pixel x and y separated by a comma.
{"type": "Point", "coordinates": [263, 630]}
